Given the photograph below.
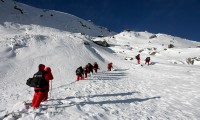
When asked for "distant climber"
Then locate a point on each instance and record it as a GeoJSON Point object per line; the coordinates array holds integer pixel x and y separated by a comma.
{"type": "Point", "coordinates": [86, 71]}
{"type": "Point", "coordinates": [90, 66]}
{"type": "Point", "coordinates": [95, 67]}
{"type": "Point", "coordinates": [147, 60]}
{"type": "Point", "coordinates": [138, 58]}
{"type": "Point", "coordinates": [79, 73]}
{"type": "Point", "coordinates": [110, 66]}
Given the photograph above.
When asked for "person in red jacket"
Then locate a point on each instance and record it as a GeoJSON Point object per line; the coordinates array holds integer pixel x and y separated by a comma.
{"type": "Point", "coordinates": [39, 92]}
{"type": "Point", "coordinates": [48, 77]}
{"type": "Point", "coordinates": [86, 71]}
{"type": "Point", "coordinates": [109, 66]}
{"type": "Point", "coordinates": [138, 58]}
{"type": "Point", "coordinates": [147, 60]}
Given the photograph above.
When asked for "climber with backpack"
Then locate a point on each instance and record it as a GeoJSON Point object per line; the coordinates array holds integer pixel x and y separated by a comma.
{"type": "Point", "coordinates": [79, 73]}
{"type": "Point", "coordinates": [90, 66]}
{"type": "Point", "coordinates": [95, 67]}
{"type": "Point", "coordinates": [147, 60]}
{"type": "Point", "coordinates": [39, 83]}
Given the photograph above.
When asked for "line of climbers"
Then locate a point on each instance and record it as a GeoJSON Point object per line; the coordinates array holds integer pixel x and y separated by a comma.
{"type": "Point", "coordinates": [82, 72]}
{"type": "Point", "coordinates": [147, 60]}
{"type": "Point", "coordinates": [40, 80]}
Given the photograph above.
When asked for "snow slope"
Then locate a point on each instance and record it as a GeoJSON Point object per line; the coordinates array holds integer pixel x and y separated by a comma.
{"type": "Point", "coordinates": [166, 89]}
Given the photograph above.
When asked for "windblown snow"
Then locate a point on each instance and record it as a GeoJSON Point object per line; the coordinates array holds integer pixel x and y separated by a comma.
{"type": "Point", "coordinates": [166, 89]}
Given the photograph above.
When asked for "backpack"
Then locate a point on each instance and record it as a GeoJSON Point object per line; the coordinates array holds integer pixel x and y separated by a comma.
{"type": "Point", "coordinates": [148, 59]}
{"type": "Point", "coordinates": [78, 71]}
{"type": "Point", "coordinates": [38, 80]}
{"type": "Point", "coordinates": [90, 66]}
{"type": "Point", "coordinates": [96, 66]}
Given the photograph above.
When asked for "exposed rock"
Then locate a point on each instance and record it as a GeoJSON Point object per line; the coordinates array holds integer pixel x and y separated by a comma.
{"type": "Point", "coordinates": [170, 46]}
{"type": "Point", "coordinates": [102, 43]}
{"type": "Point", "coordinates": [153, 53]}
{"type": "Point", "coordinates": [153, 36]}
{"type": "Point", "coordinates": [86, 43]}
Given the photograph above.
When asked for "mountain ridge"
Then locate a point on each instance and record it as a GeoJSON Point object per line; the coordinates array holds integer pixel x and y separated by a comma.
{"type": "Point", "coordinates": [25, 15]}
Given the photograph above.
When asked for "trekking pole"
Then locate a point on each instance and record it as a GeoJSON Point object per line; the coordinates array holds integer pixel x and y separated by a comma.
{"type": "Point", "coordinates": [50, 89]}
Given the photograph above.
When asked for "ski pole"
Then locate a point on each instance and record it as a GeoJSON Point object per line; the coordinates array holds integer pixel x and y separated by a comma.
{"type": "Point", "coordinates": [51, 89]}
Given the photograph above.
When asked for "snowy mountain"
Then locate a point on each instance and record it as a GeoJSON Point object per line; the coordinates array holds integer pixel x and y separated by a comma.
{"type": "Point", "coordinates": [166, 89]}
{"type": "Point", "coordinates": [15, 12]}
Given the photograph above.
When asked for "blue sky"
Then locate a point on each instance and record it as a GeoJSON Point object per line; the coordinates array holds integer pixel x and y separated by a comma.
{"type": "Point", "coordinates": [174, 17]}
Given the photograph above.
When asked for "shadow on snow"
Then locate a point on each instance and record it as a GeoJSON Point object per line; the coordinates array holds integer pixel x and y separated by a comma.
{"type": "Point", "coordinates": [113, 75]}
{"type": "Point", "coordinates": [107, 76]}
{"type": "Point", "coordinates": [103, 95]}
{"type": "Point", "coordinates": [132, 100]}
{"type": "Point", "coordinates": [60, 104]}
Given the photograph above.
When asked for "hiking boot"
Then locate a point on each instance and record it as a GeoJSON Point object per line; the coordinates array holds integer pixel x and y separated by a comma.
{"type": "Point", "coordinates": [38, 109]}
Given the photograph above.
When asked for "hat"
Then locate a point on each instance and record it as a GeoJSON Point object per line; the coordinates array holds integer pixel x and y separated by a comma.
{"type": "Point", "coordinates": [41, 67]}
